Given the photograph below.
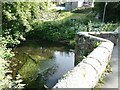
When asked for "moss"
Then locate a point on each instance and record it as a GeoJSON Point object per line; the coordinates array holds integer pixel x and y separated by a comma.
{"type": "Point", "coordinates": [101, 81]}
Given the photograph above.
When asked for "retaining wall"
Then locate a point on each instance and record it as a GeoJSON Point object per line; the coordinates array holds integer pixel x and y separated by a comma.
{"type": "Point", "coordinates": [87, 73]}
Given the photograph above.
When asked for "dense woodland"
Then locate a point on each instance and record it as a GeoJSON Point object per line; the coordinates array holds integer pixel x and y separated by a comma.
{"type": "Point", "coordinates": [32, 20]}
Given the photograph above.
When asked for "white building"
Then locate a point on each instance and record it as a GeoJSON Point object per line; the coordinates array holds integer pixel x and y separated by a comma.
{"type": "Point", "coordinates": [76, 4]}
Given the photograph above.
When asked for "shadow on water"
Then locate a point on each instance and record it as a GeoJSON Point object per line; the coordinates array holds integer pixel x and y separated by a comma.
{"type": "Point", "coordinates": [41, 64]}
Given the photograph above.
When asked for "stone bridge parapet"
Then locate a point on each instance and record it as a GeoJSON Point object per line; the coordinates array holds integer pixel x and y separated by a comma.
{"type": "Point", "coordinates": [87, 73]}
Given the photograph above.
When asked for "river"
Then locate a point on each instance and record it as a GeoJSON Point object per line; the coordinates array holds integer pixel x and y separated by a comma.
{"type": "Point", "coordinates": [40, 64]}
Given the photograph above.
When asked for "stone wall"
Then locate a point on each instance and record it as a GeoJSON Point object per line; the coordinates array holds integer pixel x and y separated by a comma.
{"type": "Point", "coordinates": [112, 36]}
{"type": "Point", "coordinates": [87, 73]}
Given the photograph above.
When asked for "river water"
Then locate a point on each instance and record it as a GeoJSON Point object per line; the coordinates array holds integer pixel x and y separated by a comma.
{"type": "Point", "coordinates": [40, 64]}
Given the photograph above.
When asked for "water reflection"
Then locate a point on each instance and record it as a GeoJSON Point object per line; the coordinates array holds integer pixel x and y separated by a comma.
{"type": "Point", "coordinates": [64, 62]}
{"type": "Point", "coordinates": [41, 64]}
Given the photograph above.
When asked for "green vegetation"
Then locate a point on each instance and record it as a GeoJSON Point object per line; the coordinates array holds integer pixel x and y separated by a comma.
{"type": "Point", "coordinates": [4, 55]}
{"type": "Point", "coordinates": [5, 73]}
{"type": "Point", "coordinates": [29, 20]}
{"type": "Point", "coordinates": [32, 20]}
{"type": "Point", "coordinates": [65, 30]}
{"type": "Point", "coordinates": [112, 11]}
{"type": "Point", "coordinates": [16, 20]}
{"type": "Point", "coordinates": [101, 81]}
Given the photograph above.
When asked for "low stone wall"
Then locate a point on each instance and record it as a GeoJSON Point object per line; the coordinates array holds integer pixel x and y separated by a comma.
{"type": "Point", "coordinates": [87, 41]}
{"type": "Point", "coordinates": [112, 36]}
{"type": "Point", "coordinates": [87, 73]}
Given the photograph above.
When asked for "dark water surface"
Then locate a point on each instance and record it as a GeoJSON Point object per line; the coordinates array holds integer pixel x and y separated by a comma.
{"type": "Point", "coordinates": [40, 63]}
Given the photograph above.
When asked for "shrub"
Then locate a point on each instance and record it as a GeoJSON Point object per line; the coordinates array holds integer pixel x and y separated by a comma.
{"type": "Point", "coordinates": [6, 80]}
{"type": "Point", "coordinates": [65, 30]}
{"type": "Point", "coordinates": [16, 20]}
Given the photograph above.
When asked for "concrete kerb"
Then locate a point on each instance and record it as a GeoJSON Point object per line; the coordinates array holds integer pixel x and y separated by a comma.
{"type": "Point", "coordinates": [87, 73]}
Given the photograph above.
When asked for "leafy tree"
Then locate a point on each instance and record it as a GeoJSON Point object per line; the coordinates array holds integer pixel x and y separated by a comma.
{"type": "Point", "coordinates": [16, 20]}
{"type": "Point", "coordinates": [112, 11]}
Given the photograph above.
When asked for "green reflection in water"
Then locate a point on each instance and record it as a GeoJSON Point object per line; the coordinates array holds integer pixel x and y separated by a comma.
{"type": "Point", "coordinates": [34, 61]}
